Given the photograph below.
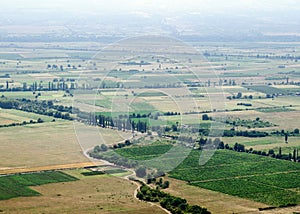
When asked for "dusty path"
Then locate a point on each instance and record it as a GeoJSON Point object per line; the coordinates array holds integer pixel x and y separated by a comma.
{"type": "Point", "coordinates": [151, 203]}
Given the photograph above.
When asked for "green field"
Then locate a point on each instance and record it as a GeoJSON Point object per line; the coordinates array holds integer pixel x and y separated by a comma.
{"type": "Point", "coordinates": [256, 191]}
{"type": "Point", "coordinates": [10, 56]}
{"type": "Point", "coordinates": [254, 177]}
{"type": "Point", "coordinates": [92, 173]}
{"type": "Point", "coordinates": [275, 109]}
{"type": "Point", "coordinates": [144, 152]}
{"type": "Point", "coordinates": [263, 179]}
{"type": "Point", "coordinates": [158, 155]}
{"type": "Point", "coordinates": [266, 89]}
{"type": "Point", "coordinates": [18, 185]}
{"type": "Point", "coordinates": [151, 94]}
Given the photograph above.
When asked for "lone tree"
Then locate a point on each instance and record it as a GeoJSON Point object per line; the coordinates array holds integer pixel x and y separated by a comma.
{"type": "Point", "coordinates": [205, 117]}
{"type": "Point", "coordinates": [127, 142]}
{"type": "Point", "coordinates": [103, 147]}
{"type": "Point", "coordinates": [165, 185]}
{"type": "Point", "coordinates": [39, 120]}
{"type": "Point", "coordinates": [279, 152]}
{"type": "Point", "coordinates": [286, 136]}
{"type": "Point", "coordinates": [97, 149]}
{"type": "Point", "coordinates": [141, 171]}
{"type": "Point", "coordinates": [239, 95]}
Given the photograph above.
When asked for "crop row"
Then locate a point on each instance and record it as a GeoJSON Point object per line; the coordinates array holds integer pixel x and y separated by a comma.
{"type": "Point", "coordinates": [144, 152]}
{"type": "Point", "coordinates": [17, 185]}
{"type": "Point", "coordinates": [246, 188]}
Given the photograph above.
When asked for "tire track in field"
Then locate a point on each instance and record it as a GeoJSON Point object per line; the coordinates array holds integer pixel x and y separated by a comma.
{"type": "Point", "coordinates": [244, 176]}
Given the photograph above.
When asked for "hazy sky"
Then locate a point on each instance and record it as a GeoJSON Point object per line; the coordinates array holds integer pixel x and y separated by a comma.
{"type": "Point", "coordinates": [150, 6]}
{"type": "Point", "coordinates": [213, 17]}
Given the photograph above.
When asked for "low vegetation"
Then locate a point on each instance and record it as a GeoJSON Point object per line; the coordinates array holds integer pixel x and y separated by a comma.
{"type": "Point", "coordinates": [38, 107]}
{"type": "Point", "coordinates": [92, 173]}
{"type": "Point", "coordinates": [39, 120]}
{"type": "Point", "coordinates": [257, 123]}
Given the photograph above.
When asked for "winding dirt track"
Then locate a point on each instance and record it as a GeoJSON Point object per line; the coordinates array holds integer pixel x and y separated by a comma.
{"type": "Point", "coordinates": [126, 177]}
{"type": "Point", "coordinates": [152, 204]}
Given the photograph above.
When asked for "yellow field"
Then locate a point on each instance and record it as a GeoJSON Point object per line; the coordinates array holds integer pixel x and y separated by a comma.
{"type": "Point", "coordinates": [9, 116]}
{"type": "Point", "coordinates": [284, 120]}
{"type": "Point", "coordinates": [47, 144]}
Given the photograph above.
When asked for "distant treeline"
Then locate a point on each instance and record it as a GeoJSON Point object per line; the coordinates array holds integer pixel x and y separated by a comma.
{"type": "Point", "coordinates": [113, 158]}
{"type": "Point", "coordinates": [46, 38]}
{"type": "Point", "coordinates": [271, 153]}
{"type": "Point", "coordinates": [39, 107]}
{"type": "Point", "coordinates": [55, 85]}
{"type": "Point", "coordinates": [233, 132]}
{"type": "Point", "coordinates": [121, 123]}
{"type": "Point", "coordinates": [39, 120]}
{"type": "Point", "coordinates": [253, 133]}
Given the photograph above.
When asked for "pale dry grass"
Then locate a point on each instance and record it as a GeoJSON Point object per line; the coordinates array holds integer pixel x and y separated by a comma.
{"type": "Point", "coordinates": [39, 145]}
{"type": "Point", "coordinates": [284, 120]}
{"type": "Point", "coordinates": [52, 143]}
{"type": "Point", "coordinates": [8, 116]}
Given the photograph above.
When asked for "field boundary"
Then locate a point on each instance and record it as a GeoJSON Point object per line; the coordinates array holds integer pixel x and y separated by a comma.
{"type": "Point", "coordinates": [16, 170]}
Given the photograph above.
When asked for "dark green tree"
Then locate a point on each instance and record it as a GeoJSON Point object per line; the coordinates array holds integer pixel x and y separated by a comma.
{"type": "Point", "coordinates": [140, 171]}
{"type": "Point", "coordinates": [205, 117]}
{"type": "Point", "coordinates": [103, 147]}
{"type": "Point", "coordinates": [286, 136]}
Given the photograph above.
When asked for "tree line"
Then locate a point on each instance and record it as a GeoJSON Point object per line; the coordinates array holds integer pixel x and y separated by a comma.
{"type": "Point", "coordinates": [107, 121]}
{"type": "Point", "coordinates": [38, 107]}
{"type": "Point", "coordinates": [294, 156]}
{"type": "Point", "coordinates": [122, 122]}
{"type": "Point", "coordinates": [174, 204]}
{"type": "Point", "coordinates": [114, 158]}
{"type": "Point", "coordinates": [39, 120]}
{"type": "Point", "coordinates": [54, 85]}
{"type": "Point", "coordinates": [232, 132]}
